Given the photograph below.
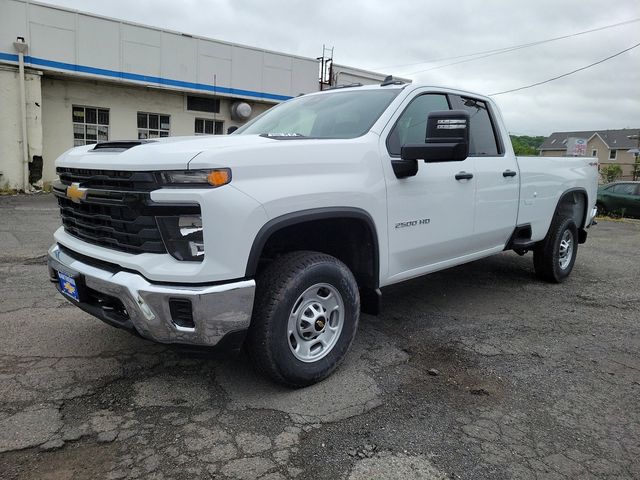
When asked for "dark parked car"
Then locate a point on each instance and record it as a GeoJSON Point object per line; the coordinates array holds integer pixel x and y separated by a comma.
{"type": "Point", "coordinates": [620, 198]}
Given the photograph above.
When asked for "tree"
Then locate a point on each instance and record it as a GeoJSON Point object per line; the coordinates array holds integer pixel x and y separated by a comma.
{"type": "Point", "coordinates": [526, 145]}
{"type": "Point", "coordinates": [611, 172]}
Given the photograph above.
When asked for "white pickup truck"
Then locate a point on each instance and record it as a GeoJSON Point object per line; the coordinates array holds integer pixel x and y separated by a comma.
{"type": "Point", "coordinates": [277, 236]}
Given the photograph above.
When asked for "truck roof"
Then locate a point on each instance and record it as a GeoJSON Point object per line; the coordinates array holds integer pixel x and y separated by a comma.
{"type": "Point", "coordinates": [401, 86]}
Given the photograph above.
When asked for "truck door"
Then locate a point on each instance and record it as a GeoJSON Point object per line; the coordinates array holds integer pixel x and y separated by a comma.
{"type": "Point", "coordinates": [496, 175]}
{"type": "Point", "coordinates": [431, 214]}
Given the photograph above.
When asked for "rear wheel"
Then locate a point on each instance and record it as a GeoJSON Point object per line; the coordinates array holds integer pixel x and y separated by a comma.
{"type": "Point", "coordinates": [554, 257]}
{"type": "Point", "coordinates": [305, 317]}
{"type": "Point", "coordinates": [602, 210]}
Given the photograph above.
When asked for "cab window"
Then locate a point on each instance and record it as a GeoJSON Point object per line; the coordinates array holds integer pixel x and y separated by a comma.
{"type": "Point", "coordinates": [482, 134]}
{"type": "Point", "coordinates": [411, 126]}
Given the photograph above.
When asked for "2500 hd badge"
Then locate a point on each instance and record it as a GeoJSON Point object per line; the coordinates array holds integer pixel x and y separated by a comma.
{"type": "Point", "coordinates": [413, 223]}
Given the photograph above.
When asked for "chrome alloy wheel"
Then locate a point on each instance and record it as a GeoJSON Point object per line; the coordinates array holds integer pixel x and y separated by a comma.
{"type": "Point", "coordinates": [315, 322]}
{"type": "Point", "coordinates": [566, 249]}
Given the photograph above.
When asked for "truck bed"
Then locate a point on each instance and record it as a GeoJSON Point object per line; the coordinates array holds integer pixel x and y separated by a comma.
{"type": "Point", "coordinates": [544, 179]}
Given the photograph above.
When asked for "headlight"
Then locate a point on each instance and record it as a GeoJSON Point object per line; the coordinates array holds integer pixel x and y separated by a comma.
{"type": "Point", "coordinates": [216, 177]}
{"type": "Point", "coordinates": [183, 236]}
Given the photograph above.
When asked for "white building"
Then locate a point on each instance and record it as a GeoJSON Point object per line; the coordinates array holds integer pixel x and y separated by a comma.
{"type": "Point", "coordinates": [89, 78]}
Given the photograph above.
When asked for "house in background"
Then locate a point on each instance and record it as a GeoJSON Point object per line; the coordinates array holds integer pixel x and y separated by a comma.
{"type": "Point", "coordinates": [610, 146]}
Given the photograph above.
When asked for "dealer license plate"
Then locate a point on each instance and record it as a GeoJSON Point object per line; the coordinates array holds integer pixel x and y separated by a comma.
{"type": "Point", "coordinates": [68, 286]}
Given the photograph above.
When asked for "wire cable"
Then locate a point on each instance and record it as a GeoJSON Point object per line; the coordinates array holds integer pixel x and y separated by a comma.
{"type": "Point", "coordinates": [498, 51]}
{"type": "Point", "coordinates": [568, 73]}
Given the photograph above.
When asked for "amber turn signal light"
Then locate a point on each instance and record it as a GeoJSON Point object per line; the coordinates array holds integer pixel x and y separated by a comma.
{"type": "Point", "coordinates": [220, 177]}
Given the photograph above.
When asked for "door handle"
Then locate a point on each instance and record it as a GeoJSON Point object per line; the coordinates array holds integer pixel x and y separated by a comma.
{"type": "Point", "coordinates": [509, 173]}
{"type": "Point", "coordinates": [464, 176]}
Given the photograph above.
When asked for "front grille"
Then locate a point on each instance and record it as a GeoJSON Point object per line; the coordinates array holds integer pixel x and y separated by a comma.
{"type": "Point", "coordinates": [114, 226]}
{"type": "Point", "coordinates": [117, 212]}
{"type": "Point", "coordinates": [109, 179]}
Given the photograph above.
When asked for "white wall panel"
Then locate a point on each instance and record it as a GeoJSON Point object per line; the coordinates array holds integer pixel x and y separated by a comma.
{"type": "Point", "coordinates": [283, 62]}
{"type": "Point", "coordinates": [246, 70]}
{"type": "Point", "coordinates": [215, 49]}
{"type": "Point", "coordinates": [179, 57]}
{"type": "Point", "coordinates": [54, 17]}
{"type": "Point", "coordinates": [304, 78]}
{"type": "Point", "coordinates": [276, 80]}
{"type": "Point", "coordinates": [276, 77]}
{"type": "Point", "coordinates": [214, 71]}
{"type": "Point", "coordinates": [13, 23]}
{"type": "Point", "coordinates": [98, 42]}
{"type": "Point", "coordinates": [141, 59]}
{"type": "Point", "coordinates": [137, 34]}
{"type": "Point", "coordinates": [53, 43]}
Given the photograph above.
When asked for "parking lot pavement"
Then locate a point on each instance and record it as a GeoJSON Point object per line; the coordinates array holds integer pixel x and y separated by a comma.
{"type": "Point", "coordinates": [477, 372]}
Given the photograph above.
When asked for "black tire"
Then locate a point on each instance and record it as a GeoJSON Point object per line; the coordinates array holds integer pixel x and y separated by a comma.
{"type": "Point", "coordinates": [602, 210]}
{"type": "Point", "coordinates": [278, 289]}
{"type": "Point", "coordinates": [547, 254]}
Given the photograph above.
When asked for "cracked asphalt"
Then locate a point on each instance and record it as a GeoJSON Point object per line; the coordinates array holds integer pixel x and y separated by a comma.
{"type": "Point", "coordinates": [478, 372]}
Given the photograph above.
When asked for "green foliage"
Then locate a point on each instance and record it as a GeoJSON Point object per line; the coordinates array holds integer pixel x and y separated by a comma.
{"type": "Point", "coordinates": [526, 145]}
{"type": "Point", "coordinates": [611, 172]}
{"type": "Point", "coordinates": [636, 168]}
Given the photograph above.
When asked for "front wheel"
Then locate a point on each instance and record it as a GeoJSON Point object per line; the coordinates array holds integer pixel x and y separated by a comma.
{"type": "Point", "coordinates": [305, 317]}
{"type": "Point", "coordinates": [554, 257]}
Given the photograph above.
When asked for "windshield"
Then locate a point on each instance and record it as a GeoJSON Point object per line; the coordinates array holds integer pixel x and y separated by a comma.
{"type": "Point", "coordinates": [347, 114]}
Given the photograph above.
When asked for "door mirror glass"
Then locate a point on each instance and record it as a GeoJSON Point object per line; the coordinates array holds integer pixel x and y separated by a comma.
{"type": "Point", "coordinates": [447, 138]}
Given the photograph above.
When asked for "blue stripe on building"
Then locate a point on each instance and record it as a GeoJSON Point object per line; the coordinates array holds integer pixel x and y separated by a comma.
{"type": "Point", "coordinates": [141, 78]}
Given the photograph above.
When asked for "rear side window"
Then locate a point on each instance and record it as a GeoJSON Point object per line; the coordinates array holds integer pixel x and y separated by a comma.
{"type": "Point", "coordinates": [411, 126]}
{"type": "Point", "coordinates": [482, 135]}
{"type": "Point", "coordinates": [624, 188]}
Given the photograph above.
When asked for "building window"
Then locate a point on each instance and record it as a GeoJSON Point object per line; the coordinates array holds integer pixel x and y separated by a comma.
{"type": "Point", "coordinates": [613, 154]}
{"type": "Point", "coordinates": [594, 153]}
{"type": "Point", "coordinates": [206, 126]}
{"type": "Point", "coordinates": [203, 104]}
{"type": "Point", "coordinates": [90, 125]}
{"type": "Point", "coordinates": [153, 125]}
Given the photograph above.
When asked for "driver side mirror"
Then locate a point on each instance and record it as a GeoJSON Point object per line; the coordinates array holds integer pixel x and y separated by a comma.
{"type": "Point", "coordinates": [446, 138]}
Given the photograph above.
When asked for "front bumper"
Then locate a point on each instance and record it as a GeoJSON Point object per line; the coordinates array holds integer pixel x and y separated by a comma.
{"type": "Point", "coordinates": [127, 300]}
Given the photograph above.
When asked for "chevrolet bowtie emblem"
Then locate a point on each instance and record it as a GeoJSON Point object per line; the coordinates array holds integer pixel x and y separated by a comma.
{"type": "Point", "coordinates": [75, 193]}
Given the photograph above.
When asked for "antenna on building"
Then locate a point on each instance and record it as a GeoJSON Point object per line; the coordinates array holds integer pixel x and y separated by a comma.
{"type": "Point", "coordinates": [325, 73]}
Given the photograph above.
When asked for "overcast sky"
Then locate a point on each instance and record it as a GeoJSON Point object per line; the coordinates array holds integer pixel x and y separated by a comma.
{"type": "Point", "coordinates": [388, 35]}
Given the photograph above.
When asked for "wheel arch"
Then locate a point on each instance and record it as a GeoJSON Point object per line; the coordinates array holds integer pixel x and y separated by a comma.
{"type": "Point", "coordinates": [293, 220]}
{"type": "Point", "coordinates": [574, 202]}
{"type": "Point", "coordinates": [574, 199]}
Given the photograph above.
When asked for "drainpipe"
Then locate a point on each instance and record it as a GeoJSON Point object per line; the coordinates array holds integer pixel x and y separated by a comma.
{"type": "Point", "coordinates": [21, 47]}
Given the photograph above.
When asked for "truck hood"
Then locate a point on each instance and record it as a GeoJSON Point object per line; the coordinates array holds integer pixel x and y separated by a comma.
{"type": "Point", "coordinates": [173, 153]}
